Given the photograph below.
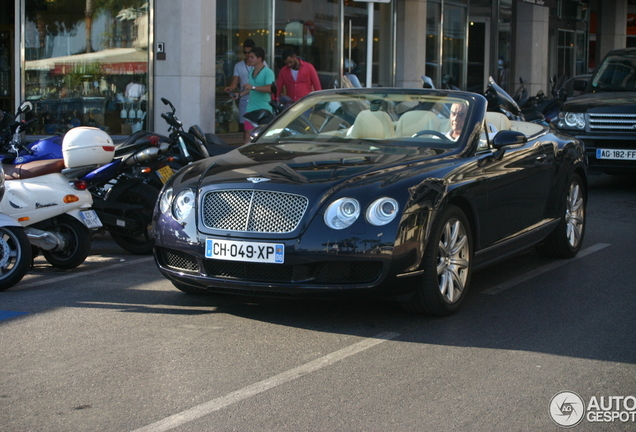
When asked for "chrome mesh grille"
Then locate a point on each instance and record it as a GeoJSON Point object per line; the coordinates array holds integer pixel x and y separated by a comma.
{"type": "Point", "coordinates": [254, 211]}
{"type": "Point", "coordinates": [612, 122]}
{"type": "Point", "coordinates": [178, 260]}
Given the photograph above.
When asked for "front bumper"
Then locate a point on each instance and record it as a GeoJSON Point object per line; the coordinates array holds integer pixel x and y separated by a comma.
{"type": "Point", "coordinates": [625, 142]}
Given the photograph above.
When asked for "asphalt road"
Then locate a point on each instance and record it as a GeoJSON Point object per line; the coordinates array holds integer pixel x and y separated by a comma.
{"type": "Point", "coordinates": [111, 346]}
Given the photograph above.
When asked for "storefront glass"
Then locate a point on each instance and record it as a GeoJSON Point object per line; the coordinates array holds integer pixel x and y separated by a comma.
{"type": "Point", "coordinates": [330, 34]}
{"type": "Point", "coordinates": [454, 48]}
{"type": "Point", "coordinates": [311, 29]}
{"type": "Point", "coordinates": [86, 64]}
{"type": "Point", "coordinates": [238, 20]}
{"type": "Point", "coordinates": [433, 20]}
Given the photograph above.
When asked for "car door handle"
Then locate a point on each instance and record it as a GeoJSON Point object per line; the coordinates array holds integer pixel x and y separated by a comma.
{"type": "Point", "coordinates": [542, 157]}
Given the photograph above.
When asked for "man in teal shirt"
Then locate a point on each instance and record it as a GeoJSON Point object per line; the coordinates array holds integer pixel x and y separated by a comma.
{"type": "Point", "coordinates": [260, 85]}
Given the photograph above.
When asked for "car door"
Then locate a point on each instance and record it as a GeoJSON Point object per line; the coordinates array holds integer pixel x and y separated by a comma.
{"type": "Point", "coordinates": [518, 188]}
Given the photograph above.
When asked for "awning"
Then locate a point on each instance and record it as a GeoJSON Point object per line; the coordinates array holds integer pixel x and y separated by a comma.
{"type": "Point", "coordinates": [116, 61]}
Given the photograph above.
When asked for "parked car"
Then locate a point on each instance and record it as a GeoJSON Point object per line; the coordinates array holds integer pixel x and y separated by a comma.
{"type": "Point", "coordinates": [359, 191]}
{"type": "Point", "coordinates": [604, 115]}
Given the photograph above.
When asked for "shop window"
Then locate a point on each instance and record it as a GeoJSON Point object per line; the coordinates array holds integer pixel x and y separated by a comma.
{"type": "Point", "coordinates": [87, 68]}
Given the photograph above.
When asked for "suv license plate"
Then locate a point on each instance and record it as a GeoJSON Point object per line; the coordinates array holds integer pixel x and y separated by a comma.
{"type": "Point", "coordinates": [231, 250]}
{"type": "Point", "coordinates": [615, 154]}
{"type": "Point", "coordinates": [90, 219]}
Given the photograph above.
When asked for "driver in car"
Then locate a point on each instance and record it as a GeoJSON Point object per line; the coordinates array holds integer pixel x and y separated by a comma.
{"type": "Point", "coordinates": [458, 114]}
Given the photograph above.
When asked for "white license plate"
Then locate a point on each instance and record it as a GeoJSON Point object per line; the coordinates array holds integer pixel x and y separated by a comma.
{"type": "Point", "coordinates": [231, 250]}
{"type": "Point", "coordinates": [615, 154]}
{"type": "Point", "coordinates": [90, 219]}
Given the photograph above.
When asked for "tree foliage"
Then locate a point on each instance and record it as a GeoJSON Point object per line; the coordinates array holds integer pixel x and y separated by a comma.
{"type": "Point", "coordinates": [61, 16]}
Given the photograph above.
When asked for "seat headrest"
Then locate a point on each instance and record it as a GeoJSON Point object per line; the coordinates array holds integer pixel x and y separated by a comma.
{"type": "Point", "coordinates": [415, 121]}
{"type": "Point", "coordinates": [372, 124]}
{"type": "Point", "coordinates": [498, 121]}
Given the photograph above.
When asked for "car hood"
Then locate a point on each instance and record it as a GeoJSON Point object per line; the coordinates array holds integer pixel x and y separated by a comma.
{"type": "Point", "coordinates": [614, 102]}
{"type": "Point", "coordinates": [319, 165]}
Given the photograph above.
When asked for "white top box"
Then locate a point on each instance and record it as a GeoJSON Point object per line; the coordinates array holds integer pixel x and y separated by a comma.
{"type": "Point", "coordinates": [87, 146]}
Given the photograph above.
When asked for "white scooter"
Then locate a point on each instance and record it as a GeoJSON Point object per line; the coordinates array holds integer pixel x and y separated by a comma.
{"type": "Point", "coordinates": [54, 209]}
{"type": "Point", "coordinates": [15, 250]}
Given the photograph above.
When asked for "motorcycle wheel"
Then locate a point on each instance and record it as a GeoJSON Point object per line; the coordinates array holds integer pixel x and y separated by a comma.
{"type": "Point", "coordinates": [142, 241]}
{"type": "Point", "coordinates": [15, 256]}
{"type": "Point", "coordinates": [78, 244]}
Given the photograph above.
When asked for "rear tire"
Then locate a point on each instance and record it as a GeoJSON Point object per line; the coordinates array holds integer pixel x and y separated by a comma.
{"type": "Point", "coordinates": [447, 266]}
{"type": "Point", "coordinates": [565, 241]}
{"type": "Point", "coordinates": [142, 241]}
{"type": "Point", "coordinates": [15, 256]}
{"type": "Point", "coordinates": [78, 243]}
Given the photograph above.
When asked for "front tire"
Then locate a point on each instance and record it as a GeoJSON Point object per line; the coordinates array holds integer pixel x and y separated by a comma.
{"type": "Point", "coordinates": [565, 241]}
{"type": "Point", "coordinates": [78, 244]}
{"type": "Point", "coordinates": [142, 241]}
{"type": "Point", "coordinates": [15, 256]}
{"type": "Point", "coordinates": [447, 266]}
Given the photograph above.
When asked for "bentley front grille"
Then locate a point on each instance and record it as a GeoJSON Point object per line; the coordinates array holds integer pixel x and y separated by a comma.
{"type": "Point", "coordinates": [612, 122]}
{"type": "Point", "coordinates": [253, 211]}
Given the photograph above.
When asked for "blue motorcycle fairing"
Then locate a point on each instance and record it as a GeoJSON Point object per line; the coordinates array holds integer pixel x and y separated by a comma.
{"type": "Point", "coordinates": [46, 148]}
{"type": "Point", "coordinates": [103, 173]}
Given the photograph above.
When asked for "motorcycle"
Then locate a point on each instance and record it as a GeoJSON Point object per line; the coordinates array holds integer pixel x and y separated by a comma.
{"type": "Point", "coordinates": [14, 150]}
{"type": "Point", "coordinates": [502, 102]}
{"type": "Point", "coordinates": [53, 209]}
{"type": "Point", "coordinates": [15, 249]}
{"type": "Point", "coordinates": [192, 145]}
{"type": "Point", "coordinates": [122, 198]}
{"type": "Point", "coordinates": [550, 107]}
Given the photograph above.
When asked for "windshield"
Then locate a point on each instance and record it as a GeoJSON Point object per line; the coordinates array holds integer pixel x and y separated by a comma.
{"type": "Point", "coordinates": [616, 73]}
{"type": "Point", "coordinates": [398, 118]}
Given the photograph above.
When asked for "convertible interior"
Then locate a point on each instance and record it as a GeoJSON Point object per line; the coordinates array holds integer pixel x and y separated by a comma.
{"type": "Point", "coordinates": [383, 119]}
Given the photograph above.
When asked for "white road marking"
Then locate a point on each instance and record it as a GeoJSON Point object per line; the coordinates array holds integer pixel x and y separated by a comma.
{"type": "Point", "coordinates": [251, 390]}
{"type": "Point", "coordinates": [546, 268]}
{"type": "Point", "coordinates": [48, 280]}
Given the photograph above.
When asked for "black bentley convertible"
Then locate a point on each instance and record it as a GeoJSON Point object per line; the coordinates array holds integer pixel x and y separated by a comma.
{"type": "Point", "coordinates": [367, 191]}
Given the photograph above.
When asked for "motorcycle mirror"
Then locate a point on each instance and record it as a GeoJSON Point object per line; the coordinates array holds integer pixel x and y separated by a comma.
{"type": "Point", "coordinates": [25, 107]}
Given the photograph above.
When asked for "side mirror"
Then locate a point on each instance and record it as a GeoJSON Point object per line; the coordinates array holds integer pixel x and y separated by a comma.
{"type": "Point", "coordinates": [25, 108]}
{"type": "Point", "coordinates": [508, 138]}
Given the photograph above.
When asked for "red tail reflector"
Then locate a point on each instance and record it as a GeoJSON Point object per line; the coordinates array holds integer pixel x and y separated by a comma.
{"type": "Point", "coordinates": [154, 140]}
{"type": "Point", "coordinates": [109, 148]}
{"type": "Point", "coordinates": [80, 185]}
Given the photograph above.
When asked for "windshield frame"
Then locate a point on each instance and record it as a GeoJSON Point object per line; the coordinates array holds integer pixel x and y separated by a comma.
{"type": "Point", "coordinates": [342, 107]}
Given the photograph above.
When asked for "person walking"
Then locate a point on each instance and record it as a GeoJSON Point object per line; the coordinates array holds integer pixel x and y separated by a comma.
{"type": "Point", "coordinates": [240, 79]}
{"type": "Point", "coordinates": [297, 78]}
{"type": "Point", "coordinates": [259, 87]}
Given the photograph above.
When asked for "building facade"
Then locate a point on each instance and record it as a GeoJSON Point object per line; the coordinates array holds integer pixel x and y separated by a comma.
{"type": "Point", "coordinates": [109, 63]}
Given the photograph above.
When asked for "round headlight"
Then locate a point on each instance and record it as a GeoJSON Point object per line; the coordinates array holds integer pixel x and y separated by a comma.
{"type": "Point", "coordinates": [165, 200]}
{"type": "Point", "coordinates": [342, 213]}
{"type": "Point", "coordinates": [572, 120]}
{"type": "Point", "coordinates": [382, 211]}
{"type": "Point", "coordinates": [183, 204]}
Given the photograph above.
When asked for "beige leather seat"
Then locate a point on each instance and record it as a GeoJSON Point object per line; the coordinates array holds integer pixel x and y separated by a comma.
{"type": "Point", "coordinates": [498, 121]}
{"type": "Point", "coordinates": [415, 121]}
{"type": "Point", "coordinates": [372, 124]}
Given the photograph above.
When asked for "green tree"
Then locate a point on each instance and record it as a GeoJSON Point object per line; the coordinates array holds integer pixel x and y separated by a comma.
{"type": "Point", "coordinates": [54, 17]}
